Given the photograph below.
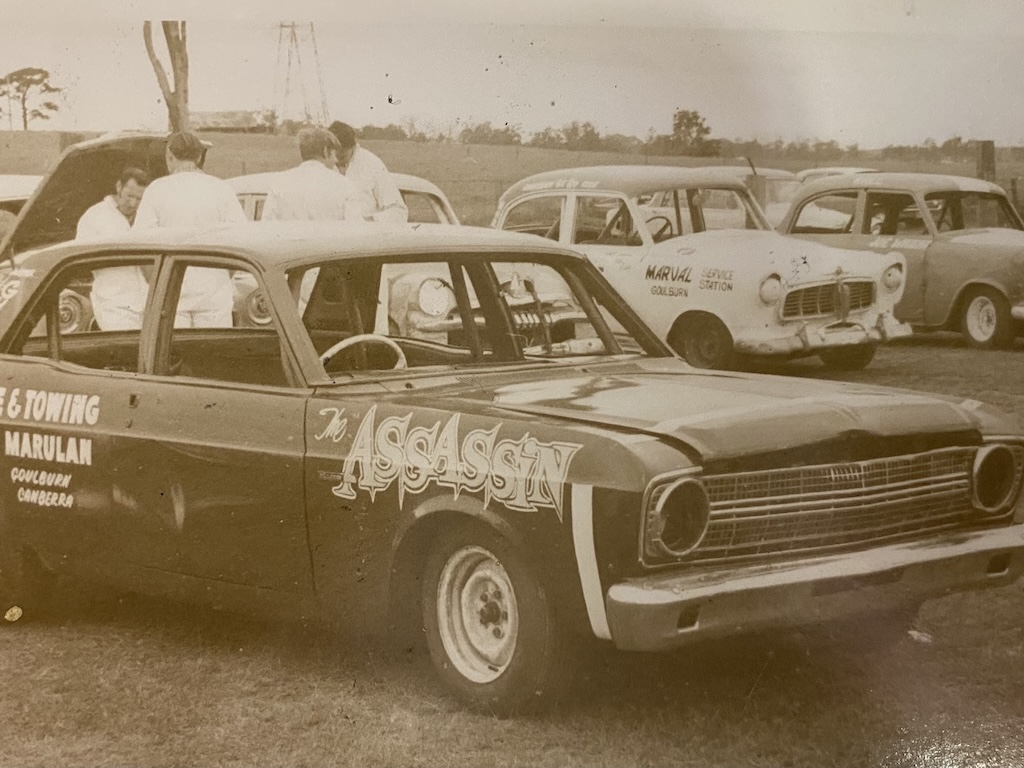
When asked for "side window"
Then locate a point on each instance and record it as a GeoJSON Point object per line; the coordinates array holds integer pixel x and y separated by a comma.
{"type": "Point", "coordinates": [223, 329]}
{"type": "Point", "coordinates": [602, 219]}
{"type": "Point", "coordinates": [537, 216]}
{"type": "Point", "coordinates": [892, 213]}
{"type": "Point", "coordinates": [90, 315]}
{"type": "Point", "coordinates": [827, 215]}
{"type": "Point", "coordinates": [422, 208]}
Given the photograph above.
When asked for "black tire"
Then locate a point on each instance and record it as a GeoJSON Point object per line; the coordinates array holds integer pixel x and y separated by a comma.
{"type": "Point", "coordinates": [985, 320]}
{"type": "Point", "coordinates": [854, 358]}
{"type": "Point", "coordinates": [25, 586]}
{"type": "Point", "coordinates": [25, 583]}
{"type": "Point", "coordinates": [705, 342]}
{"type": "Point", "coordinates": [529, 664]}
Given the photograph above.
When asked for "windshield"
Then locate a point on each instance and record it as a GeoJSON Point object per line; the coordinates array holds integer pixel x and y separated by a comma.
{"type": "Point", "coordinates": [379, 314]}
{"type": "Point", "coordinates": [955, 210]}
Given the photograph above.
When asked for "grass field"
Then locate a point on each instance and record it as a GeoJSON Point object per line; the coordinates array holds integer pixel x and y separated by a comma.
{"type": "Point", "coordinates": [473, 176]}
{"type": "Point", "coordinates": [108, 680]}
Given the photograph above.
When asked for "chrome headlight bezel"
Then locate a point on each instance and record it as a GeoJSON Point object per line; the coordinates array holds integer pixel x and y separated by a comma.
{"type": "Point", "coordinates": [676, 515]}
{"type": "Point", "coordinates": [996, 477]}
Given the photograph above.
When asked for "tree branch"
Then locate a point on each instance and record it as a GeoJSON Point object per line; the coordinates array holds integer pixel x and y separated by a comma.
{"type": "Point", "coordinates": [158, 68]}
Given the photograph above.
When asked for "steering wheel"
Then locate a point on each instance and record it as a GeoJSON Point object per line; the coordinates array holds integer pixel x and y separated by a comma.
{"type": "Point", "coordinates": [666, 227]}
{"type": "Point", "coordinates": [366, 338]}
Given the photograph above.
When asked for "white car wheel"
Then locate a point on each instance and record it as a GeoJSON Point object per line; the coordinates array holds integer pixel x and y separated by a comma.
{"type": "Point", "coordinates": [478, 617]}
{"type": "Point", "coordinates": [491, 626]}
{"type": "Point", "coordinates": [986, 322]}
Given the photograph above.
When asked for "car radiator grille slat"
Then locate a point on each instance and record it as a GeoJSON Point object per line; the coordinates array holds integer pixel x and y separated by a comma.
{"type": "Point", "coordinates": [825, 507]}
{"type": "Point", "coordinates": [817, 300]}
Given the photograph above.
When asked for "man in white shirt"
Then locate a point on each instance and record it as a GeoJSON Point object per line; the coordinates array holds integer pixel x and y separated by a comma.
{"type": "Point", "coordinates": [382, 200]}
{"type": "Point", "coordinates": [118, 294]}
{"type": "Point", "coordinates": [313, 190]}
{"type": "Point", "coordinates": [188, 197]}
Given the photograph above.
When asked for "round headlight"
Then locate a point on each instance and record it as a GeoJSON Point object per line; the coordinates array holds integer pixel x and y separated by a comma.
{"type": "Point", "coordinates": [435, 297]}
{"type": "Point", "coordinates": [770, 290]}
{"type": "Point", "coordinates": [257, 309]}
{"type": "Point", "coordinates": [994, 478]}
{"type": "Point", "coordinates": [679, 519]}
{"type": "Point", "coordinates": [892, 278]}
{"type": "Point", "coordinates": [71, 312]}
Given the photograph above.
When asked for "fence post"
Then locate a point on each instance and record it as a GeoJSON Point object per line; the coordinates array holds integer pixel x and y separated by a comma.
{"type": "Point", "coordinates": [1013, 194]}
{"type": "Point", "coordinates": [987, 160]}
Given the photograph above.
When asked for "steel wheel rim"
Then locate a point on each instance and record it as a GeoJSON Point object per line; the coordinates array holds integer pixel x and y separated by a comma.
{"type": "Point", "coordinates": [981, 318]}
{"type": "Point", "coordinates": [478, 617]}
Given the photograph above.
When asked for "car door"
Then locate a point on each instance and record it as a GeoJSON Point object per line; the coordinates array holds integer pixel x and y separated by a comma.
{"type": "Point", "coordinates": [220, 421]}
{"type": "Point", "coordinates": [604, 226]}
{"type": "Point", "coordinates": [893, 221]}
{"type": "Point", "coordinates": [71, 461]}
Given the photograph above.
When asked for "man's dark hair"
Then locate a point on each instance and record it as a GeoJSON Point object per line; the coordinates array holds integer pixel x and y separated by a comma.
{"type": "Point", "coordinates": [137, 175]}
{"type": "Point", "coordinates": [185, 145]}
{"type": "Point", "coordinates": [344, 133]}
{"type": "Point", "coordinates": [313, 142]}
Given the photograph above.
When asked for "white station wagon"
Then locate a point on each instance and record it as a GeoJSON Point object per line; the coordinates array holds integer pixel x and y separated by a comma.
{"type": "Point", "coordinates": [693, 253]}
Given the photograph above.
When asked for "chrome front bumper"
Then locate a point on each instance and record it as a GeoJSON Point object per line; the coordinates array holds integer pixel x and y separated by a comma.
{"type": "Point", "coordinates": [812, 338]}
{"type": "Point", "coordinates": [666, 611]}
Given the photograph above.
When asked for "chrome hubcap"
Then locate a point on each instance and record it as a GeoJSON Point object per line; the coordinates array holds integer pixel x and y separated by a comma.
{"type": "Point", "coordinates": [981, 318]}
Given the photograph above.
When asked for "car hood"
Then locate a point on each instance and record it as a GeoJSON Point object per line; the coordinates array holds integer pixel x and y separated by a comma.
{"type": "Point", "coordinates": [83, 175]}
{"type": "Point", "coordinates": [793, 259]}
{"type": "Point", "coordinates": [727, 415]}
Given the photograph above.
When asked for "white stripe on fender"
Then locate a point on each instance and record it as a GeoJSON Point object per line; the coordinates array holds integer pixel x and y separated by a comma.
{"type": "Point", "coordinates": [586, 558]}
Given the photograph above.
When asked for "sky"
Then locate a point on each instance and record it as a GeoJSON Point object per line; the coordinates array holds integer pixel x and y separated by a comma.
{"type": "Point", "coordinates": [866, 72]}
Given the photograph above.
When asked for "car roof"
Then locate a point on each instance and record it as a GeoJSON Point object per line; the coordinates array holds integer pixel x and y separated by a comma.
{"type": "Point", "coordinates": [916, 182]}
{"type": "Point", "coordinates": [631, 180]}
{"type": "Point", "coordinates": [831, 170]}
{"type": "Point", "coordinates": [743, 171]}
{"type": "Point", "coordinates": [293, 242]}
{"type": "Point", "coordinates": [260, 183]}
{"type": "Point", "coordinates": [17, 186]}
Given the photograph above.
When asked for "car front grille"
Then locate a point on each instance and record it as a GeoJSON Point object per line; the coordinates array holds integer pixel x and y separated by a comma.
{"type": "Point", "coordinates": [834, 506]}
{"type": "Point", "coordinates": [827, 299]}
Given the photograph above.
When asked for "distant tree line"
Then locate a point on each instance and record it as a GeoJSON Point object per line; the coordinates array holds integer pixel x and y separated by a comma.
{"type": "Point", "coordinates": [690, 137]}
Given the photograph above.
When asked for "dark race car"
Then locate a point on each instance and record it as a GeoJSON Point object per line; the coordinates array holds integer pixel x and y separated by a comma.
{"type": "Point", "coordinates": [466, 434]}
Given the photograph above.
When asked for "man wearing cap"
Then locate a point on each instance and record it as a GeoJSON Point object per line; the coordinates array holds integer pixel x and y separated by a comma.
{"type": "Point", "coordinates": [381, 199]}
{"type": "Point", "coordinates": [188, 197]}
{"type": "Point", "coordinates": [118, 294]}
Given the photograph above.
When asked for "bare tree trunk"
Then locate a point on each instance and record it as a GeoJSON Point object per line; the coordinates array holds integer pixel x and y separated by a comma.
{"type": "Point", "coordinates": [175, 98]}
